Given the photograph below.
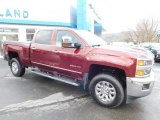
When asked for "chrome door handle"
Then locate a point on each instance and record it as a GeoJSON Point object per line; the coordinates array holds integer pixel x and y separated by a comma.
{"type": "Point", "coordinates": [55, 51]}
{"type": "Point", "coordinates": [34, 48]}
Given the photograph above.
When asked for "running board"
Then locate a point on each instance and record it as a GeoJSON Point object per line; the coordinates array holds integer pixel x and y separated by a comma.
{"type": "Point", "coordinates": [57, 78]}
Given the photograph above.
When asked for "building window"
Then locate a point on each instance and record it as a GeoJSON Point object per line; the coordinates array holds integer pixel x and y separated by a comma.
{"type": "Point", "coordinates": [8, 30]}
{"type": "Point", "coordinates": [10, 34]}
{"type": "Point", "coordinates": [30, 34]}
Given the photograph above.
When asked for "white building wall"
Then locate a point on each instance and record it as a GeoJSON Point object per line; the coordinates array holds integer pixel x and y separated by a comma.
{"type": "Point", "coordinates": [22, 34]}
{"type": "Point", "coordinates": [33, 14]}
{"type": "Point", "coordinates": [36, 10]}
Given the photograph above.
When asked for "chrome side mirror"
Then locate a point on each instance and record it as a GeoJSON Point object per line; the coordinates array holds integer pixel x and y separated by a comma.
{"type": "Point", "coordinates": [66, 41]}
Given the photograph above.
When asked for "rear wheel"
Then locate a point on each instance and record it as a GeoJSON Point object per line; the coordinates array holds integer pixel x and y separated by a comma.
{"type": "Point", "coordinates": [106, 90]}
{"type": "Point", "coordinates": [17, 69]}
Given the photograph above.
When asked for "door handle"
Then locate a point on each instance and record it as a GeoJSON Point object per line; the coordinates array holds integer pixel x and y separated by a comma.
{"type": "Point", "coordinates": [34, 48]}
{"type": "Point", "coordinates": [55, 51]}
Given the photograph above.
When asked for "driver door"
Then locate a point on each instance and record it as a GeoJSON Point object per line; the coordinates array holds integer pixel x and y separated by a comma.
{"type": "Point", "coordinates": [72, 60]}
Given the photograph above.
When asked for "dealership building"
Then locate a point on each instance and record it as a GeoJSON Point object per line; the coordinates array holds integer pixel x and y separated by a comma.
{"type": "Point", "coordinates": [20, 19]}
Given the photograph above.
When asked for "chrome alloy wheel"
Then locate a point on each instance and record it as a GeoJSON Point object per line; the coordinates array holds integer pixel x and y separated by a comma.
{"type": "Point", "coordinates": [14, 67]}
{"type": "Point", "coordinates": [105, 91]}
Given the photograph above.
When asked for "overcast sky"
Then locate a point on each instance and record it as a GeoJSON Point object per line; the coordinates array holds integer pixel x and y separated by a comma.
{"type": "Point", "coordinates": [122, 15]}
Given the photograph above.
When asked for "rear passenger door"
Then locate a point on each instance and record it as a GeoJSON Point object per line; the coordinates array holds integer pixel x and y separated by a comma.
{"type": "Point", "coordinates": [40, 50]}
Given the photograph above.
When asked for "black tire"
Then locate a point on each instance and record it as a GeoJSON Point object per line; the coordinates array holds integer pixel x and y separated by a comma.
{"type": "Point", "coordinates": [114, 84]}
{"type": "Point", "coordinates": [20, 69]}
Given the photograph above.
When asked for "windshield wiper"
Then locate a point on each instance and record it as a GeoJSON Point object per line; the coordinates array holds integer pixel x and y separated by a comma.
{"type": "Point", "coordinates": [96, 45]}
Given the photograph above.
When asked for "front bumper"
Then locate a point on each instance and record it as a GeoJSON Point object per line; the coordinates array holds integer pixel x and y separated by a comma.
{"type": "Point", "coordinates": [139, 87]}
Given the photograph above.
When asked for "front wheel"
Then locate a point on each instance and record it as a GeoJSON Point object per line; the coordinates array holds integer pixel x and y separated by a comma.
{"type": "Point", "coordinates": [17, 69]}
{"type": "Point", "coordinates": [106, 90]}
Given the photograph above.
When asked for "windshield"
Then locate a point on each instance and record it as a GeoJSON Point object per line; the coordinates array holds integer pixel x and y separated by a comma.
{"type": "Point", "coordinates": [91, 39]}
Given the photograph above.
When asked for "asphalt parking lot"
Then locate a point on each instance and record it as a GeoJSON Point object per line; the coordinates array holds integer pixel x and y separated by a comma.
{"type": "Point", "coordinates": [33, 97]}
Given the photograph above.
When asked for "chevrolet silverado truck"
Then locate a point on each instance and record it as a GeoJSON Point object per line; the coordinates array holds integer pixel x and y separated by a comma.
{"type": "Point", "coordinates": [112, 75]}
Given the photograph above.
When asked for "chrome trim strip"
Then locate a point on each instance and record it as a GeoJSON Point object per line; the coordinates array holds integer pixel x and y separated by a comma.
{"type": "Point", "coordinates": [57, 67]}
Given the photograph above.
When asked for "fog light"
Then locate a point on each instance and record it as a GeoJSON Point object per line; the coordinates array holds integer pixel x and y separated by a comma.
{"type": "Point", "coordinates": [140, 72]}
{"type": "Point", "coordinates": [145, 86]}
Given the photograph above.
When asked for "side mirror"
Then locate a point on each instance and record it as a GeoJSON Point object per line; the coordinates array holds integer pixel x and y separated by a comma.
{"type": "Point", "coordinates": [66, 41]}
{"type": "Point", "coordinates": [77, 45]}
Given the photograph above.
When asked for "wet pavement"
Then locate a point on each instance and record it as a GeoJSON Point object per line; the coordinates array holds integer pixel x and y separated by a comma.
{"type": "Point", "coordinates": [33, 97]}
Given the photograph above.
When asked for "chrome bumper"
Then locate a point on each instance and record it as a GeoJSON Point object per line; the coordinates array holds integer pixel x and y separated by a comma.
{"type": "Point", "coordinates": [139, 87]}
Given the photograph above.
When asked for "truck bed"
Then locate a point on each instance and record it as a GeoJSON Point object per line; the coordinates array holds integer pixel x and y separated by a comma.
{"type": "Point", "coordinates": [22, 48]}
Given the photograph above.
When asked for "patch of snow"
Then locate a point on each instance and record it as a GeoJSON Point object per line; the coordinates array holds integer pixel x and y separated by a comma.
{"type": "Point", "coordinates": [55, 98]}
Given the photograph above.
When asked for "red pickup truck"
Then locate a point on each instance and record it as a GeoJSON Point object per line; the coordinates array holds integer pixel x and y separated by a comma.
{"type": "Point", "coordinates": [113, 75]}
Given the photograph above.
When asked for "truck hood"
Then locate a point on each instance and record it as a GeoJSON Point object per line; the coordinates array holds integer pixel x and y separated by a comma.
{"type": "Point", "coordinates": [130, 52]}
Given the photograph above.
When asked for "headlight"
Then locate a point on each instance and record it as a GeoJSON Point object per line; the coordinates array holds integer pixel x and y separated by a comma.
{"type": "Point", "coordinates": [141, 63]}
{"type": "Point", "coordinates": [143, 67]}
{"type": "Point", "coordinates": [144, 62]}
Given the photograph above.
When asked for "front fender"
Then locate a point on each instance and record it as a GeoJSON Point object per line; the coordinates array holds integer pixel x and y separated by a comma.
{"type": "Point", "coordinates": [126, 64]}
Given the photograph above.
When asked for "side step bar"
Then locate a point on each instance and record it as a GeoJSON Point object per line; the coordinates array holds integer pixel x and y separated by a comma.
{"type": "Point", "coordinates": [58, 78]}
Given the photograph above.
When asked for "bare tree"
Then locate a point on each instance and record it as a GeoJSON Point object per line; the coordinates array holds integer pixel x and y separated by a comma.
{"type": "Point", "coordinates": [145, 32]}
{"type": "Point", "coordinates": [127, 36]}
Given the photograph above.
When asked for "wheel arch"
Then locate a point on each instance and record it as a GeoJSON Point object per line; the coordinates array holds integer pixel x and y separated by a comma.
{"type": "Point", "coordinates": [96, 69]}
{"type": "Point", "coordinates": [12, 54]}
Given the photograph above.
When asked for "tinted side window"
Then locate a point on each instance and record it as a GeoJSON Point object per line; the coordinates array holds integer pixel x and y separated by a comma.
{"type": "Point", "coordinates": [61, 34]}
{"type": "Point", "coordinates": [44, 37]}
